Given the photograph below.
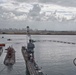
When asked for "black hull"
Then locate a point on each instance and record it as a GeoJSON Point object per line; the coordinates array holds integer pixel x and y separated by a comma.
{"type": "Point", "coordinates": [31, 66]}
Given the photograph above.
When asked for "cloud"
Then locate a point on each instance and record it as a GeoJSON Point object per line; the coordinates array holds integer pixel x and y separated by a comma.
{"type": "Point", "coordinates": [16, 6]}
{"type": "Point", "coordinates": [40, 15]}
{"type": "Point", "coordinates": [27, 0]}
{"type": "Point", "coordinates": [60, 2]}
{"type": "Point", "coordinates": [36, 11]}
{"type": "Point", "coordinates": [1, 1]}
{"type": "Point", "coordinates": [12, 16]}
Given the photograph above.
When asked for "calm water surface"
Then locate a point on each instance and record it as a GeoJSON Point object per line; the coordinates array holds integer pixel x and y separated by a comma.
{"type": "Point", "coordinates": [55, 58]}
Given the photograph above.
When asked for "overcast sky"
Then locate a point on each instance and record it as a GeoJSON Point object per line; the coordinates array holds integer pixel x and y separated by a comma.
{"type": "Point", "coordinates": [38, 14]}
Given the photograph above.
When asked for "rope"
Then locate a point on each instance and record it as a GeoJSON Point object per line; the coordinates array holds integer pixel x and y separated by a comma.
{"type": "Point", "coordinates": [55, 41]}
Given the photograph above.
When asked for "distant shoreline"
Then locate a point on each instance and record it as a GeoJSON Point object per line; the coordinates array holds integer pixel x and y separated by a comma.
{"type": "Point", "coordinates": [43, 33]}
{"type": "Point", "coordinates": [35, 32]}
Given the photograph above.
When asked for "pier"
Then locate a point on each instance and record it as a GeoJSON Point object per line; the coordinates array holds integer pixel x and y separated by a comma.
{"type": "Point", "coordinates": [31, 66]}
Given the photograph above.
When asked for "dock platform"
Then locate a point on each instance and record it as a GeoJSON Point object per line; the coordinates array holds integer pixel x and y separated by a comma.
{"type": "Point", "coordinates": [31, 65]}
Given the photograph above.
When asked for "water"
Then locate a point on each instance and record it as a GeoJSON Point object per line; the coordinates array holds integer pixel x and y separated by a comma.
{"type": "Point", "coordinates": [55, 58]}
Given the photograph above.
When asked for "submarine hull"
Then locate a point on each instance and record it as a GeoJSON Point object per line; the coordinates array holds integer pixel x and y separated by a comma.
{"type": "Point", "coordinates": [10, 60]}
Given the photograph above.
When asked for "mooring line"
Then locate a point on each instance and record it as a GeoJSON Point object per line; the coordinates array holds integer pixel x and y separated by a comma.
{"type": "Point", "coordinates": [54, 41]}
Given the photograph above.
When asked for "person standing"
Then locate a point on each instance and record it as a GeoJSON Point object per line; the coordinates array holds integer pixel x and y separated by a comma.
{"type": "Point", "coordinates": [30, 48]}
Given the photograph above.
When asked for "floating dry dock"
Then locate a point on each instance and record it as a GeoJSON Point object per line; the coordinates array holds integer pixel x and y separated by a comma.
{"type": "Point", "coordinates": [31, 65]}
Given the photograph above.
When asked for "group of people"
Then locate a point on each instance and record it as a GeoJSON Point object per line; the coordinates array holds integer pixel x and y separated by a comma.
{"type": "Point", "coordinates": [30, 49]}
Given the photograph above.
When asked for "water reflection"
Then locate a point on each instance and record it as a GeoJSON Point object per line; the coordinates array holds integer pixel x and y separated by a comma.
{"type": "Point", "coordinates": [9, 68]}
